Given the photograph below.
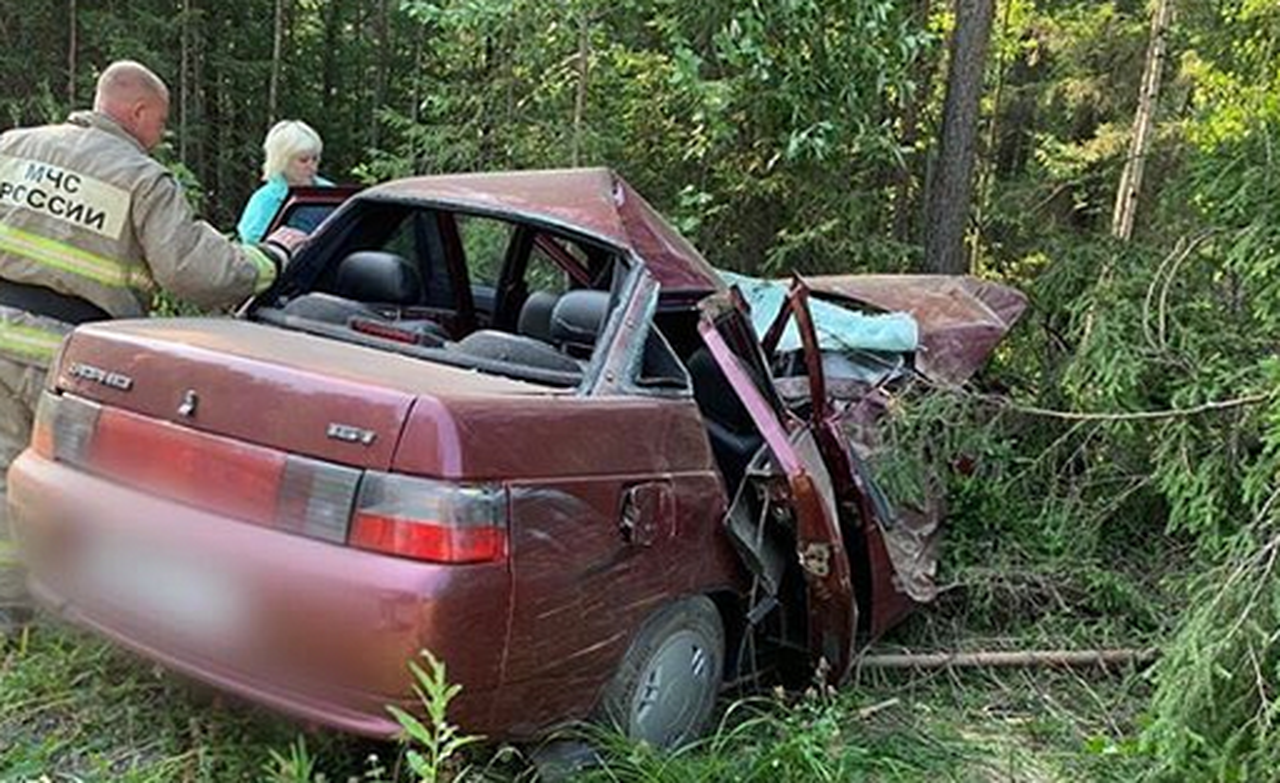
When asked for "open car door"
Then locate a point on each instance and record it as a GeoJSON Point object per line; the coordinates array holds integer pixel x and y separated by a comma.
{"type": "Point", "coordinates": [797, 450]}
{"type": "Point", "coordinates": [304, 209]}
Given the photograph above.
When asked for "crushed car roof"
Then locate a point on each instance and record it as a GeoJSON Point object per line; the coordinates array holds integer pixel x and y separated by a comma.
{"type": "Point", "coordinates": [594, 201]}
{"type": "Point", "coordinates": [961, 319]}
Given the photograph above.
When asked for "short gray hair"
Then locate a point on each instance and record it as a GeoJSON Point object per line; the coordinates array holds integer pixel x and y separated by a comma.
{"type": "Point", "coordinates": [286, 139]}
{"type": "Point", "coordinates": [125, 82]}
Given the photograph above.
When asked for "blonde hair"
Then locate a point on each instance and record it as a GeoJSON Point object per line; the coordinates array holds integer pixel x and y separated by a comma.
{"type": "Point", "coordinates": [286, 139]}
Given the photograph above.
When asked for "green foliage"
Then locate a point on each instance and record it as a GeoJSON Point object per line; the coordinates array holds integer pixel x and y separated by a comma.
{"type": "Point", "coordinates": [435, 747]}
{"type": "Point", "coordinates": [296, 767]}
{"type": "Point", "coordinates": [814, 739]}
{"type": "Point", "coordinates": [73, 708]}
{"type": "Point", "coordinates": [1213, 711]}
{"type": "Point", "coordinates": [1215, 707]}
{"type": "Point", "coordinates": [751, 123]}
{"type": "Point", "coordinates": [964, 728]}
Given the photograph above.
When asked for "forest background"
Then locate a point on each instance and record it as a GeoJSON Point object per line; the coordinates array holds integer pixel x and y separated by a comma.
{"type": "Point", "coordinates": [1120, 478]}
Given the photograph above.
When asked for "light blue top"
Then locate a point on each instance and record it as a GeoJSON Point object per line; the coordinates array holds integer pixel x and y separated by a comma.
{"type": "Point", "coordinates": [263, 205]}
{"type": "Point", "coordinates": [838, 329]}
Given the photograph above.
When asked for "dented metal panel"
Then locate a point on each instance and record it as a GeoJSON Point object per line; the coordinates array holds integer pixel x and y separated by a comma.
{"type": "Point", "coordinates": [961, 319]}
{"type": "Point", "coordinates": [595, 201]}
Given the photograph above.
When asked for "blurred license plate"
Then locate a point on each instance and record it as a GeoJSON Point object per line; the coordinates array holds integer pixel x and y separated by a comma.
{"type": "Point", "coordinates": [166, 590]}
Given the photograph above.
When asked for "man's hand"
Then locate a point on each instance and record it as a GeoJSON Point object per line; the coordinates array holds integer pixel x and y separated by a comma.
{"type": "Point", "coordinates": [288, 238]}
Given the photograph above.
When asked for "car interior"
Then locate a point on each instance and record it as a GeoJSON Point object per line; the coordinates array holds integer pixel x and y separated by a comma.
{"type": "Point", "coordinates": [515, 299]}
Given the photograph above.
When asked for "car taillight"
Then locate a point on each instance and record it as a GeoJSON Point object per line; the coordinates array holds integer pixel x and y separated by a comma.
{"type": "Point", "coordinates": [252, 483]}
{"type": "Point", "coordinates": [405, 516]}
{"type": "Point", "coordinates": [64, 427]}
{"type": "Point", "coordinates": [316, 498]}
{"type": "Point", "coordinates": [424, 519]}
{"type": "Point", "coordinates": [233, 478]}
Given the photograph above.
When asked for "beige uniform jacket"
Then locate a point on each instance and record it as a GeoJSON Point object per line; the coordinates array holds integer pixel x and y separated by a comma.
{"type": "Point", "coordinates": [85, 211]}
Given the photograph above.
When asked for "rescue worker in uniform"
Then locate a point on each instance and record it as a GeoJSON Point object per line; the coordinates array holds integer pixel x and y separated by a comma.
{"type": "Point", "coordinates": [91, 226]}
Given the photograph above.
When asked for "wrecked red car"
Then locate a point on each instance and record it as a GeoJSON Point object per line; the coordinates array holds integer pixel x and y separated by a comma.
{"type": "Point", "coordinates": [514, 419]}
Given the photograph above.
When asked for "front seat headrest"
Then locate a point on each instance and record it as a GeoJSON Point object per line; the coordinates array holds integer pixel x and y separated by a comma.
{"type": "Point", "coordinates": [535, 315]}
{"type": "Point", "coordinates": [378, 276]}
{"type": "Point", "coordinates": [578, 318]}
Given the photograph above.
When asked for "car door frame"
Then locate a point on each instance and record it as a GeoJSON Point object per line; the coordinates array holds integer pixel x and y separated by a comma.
{"type": "Point", "coordinates": [335, 195]}
{"type": "Point", "coordinates": [820, 548]}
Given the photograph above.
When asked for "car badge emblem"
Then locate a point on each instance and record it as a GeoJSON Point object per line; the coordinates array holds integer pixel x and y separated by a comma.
{"type": "Point", "coordinates": [112, 380]}
{"type": "Point", "coordinates": [348, 434]}
{"type": "Point", "coordinates": [189, 402]}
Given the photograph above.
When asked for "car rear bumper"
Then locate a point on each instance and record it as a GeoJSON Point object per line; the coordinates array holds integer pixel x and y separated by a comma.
{"type": "Point", "coordinates": [315, 630]}
{"type": "Point", "coordinates": [371, 719]}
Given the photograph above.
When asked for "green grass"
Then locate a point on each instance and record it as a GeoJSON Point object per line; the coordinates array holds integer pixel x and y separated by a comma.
{"type": "Point", "coordinates": [74, 709]}
{"type": "Point", "coordinates": [1024, 726]}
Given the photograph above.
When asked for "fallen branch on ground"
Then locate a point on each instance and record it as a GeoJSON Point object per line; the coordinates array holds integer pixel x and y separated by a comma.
{"type": "Point", "coordinates": [1044, 658]}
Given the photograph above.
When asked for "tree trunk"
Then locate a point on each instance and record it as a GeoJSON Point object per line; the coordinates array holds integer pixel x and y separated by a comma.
{"type": "Point", "coordinates": [199, 106]}
{"type": "Point", "coordinates": [71, 54]}
{"type": "Point", "coordinates": [985, 174]}
{"type": "Point", "coordinates": [580, 99]}
{"type": "Point", "coordinates": [383, 76]}
{"type": "Point", "coordinates": [277, 56]}
{"type": "Point", "coordinates": [951, 187]}
{"type": "Point", "coordinates": [488, 70]}
{"type": "Point", "coordinates": [1005, 659]}
{"type": "Point", "coordinates": [184, 82]}
{"type": "Point", "coordinates": [329, 72]}
{"type": "Point", "coordinates": [905, 217]}
{"type": "Point", "coordinates": [415, 112]}
{"type": "Point", "coordinates": [1130, 189]}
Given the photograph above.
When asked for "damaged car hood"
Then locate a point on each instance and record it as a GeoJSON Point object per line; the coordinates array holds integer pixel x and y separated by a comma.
{"type": "Point", "coordinates": [961, 319]}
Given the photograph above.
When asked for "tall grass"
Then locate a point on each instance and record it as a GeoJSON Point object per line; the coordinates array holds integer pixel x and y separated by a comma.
{"type": "Point", "coordinates": [72, 708]}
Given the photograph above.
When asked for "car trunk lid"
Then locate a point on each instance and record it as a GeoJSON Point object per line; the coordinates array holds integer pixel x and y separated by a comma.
{"type": "Point", "coordinates": [263, 386]}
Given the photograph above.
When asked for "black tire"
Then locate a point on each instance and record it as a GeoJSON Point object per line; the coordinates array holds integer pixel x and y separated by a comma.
{"type": "Point", "coordinates": [666, 686]}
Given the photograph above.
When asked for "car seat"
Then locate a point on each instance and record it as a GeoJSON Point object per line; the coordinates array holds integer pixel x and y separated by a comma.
{"type": "Point", "coordinates": [577, 319]}
{"type": "Point", "coordinates": [535, 315]}
{"type": "Point", "coordinates": [365, 282]}
{"type": "Point", "coordinates": [378, 277]}
{"type": "Point", "coordinates": [572, 323]}
{"type": "Point", "coordinates": [733, 434]}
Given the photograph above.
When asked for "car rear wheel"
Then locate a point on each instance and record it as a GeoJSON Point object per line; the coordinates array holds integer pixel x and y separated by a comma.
{"type": "Point", "coordinates": [666, 686]}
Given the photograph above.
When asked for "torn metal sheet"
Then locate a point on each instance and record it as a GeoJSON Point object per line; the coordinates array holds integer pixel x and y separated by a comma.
{"type": "Point", "coordinates": [961, 319]}
{"type": "Point", "coordinates": [820, 547]}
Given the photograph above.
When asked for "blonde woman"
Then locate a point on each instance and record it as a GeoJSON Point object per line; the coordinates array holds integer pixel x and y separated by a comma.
{"type": "Point", "coordinates": [292, 150]}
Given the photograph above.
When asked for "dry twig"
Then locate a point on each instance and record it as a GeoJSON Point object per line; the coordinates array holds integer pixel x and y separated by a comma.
{"type": "Point", "coordinates": [1004, 659]}
{"type": "Point", "coordinates": [1170, 413]}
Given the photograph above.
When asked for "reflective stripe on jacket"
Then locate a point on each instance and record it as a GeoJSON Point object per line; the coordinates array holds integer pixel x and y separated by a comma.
{"type": "Point", "coordinates": [85, 211]}
{"type": "Point", "coordinates": [30, 339]}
